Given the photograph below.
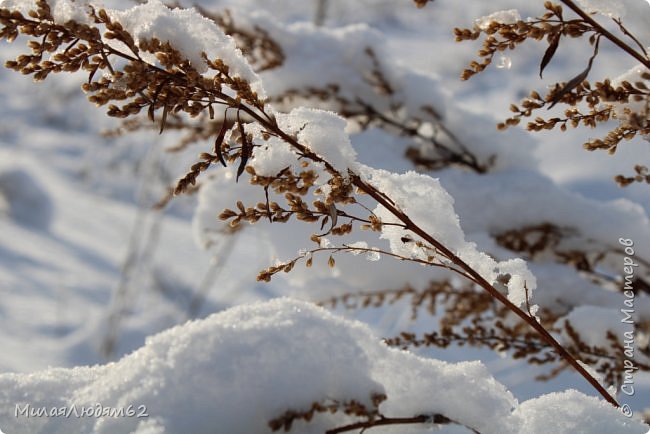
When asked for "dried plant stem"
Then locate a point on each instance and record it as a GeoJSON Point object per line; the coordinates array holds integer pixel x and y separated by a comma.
{"type": "Point", "coordinates": [622, 45]}
{"type": "Point", "coordinates": [253, 107]}
{"type": "Point", "coordinates": [383, 421]}
{"type": "Point", "coordinates": [357, 250]}
{"type": "Point", "coordinates": [631, 36]}
{"type": "Point", "coordinates": [387, 203]}
{"type": "Point", "coordinates": [379, 197]}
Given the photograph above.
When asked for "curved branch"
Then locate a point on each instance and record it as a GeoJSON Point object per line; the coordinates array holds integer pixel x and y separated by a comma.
{"type": "Point", "coordinates": [487, 286]}
{"type": "Point", "coordinates": [438, 419]}
{"type": "Point", "coordinates": [622, 45]}
{"type": "Point", "coordinates": [387, 203]}
{"type": "Point", "coordinates": [256, 110]}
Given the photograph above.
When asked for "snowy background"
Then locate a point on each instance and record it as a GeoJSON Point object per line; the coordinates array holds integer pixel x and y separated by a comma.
{"type": "Point", "coordinates": [79, 241]}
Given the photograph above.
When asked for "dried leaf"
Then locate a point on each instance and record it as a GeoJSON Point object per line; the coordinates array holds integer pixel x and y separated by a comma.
{"type": "Point", "coordinates": [550, 52]}
{"type": "Point", "coordinates": [246, 148]}
{"type": "Point", "coordinates": [92, 73]}
{"type": "Point", "coordinates": [211, 109]}
{"type": "Point", "coordinates": [164, 118]}
{"type": "Point", "coordinates": [152, 106]}
{"type": "Point", "coordinates": [333, 214]}
{"type": "Point", "coordinates": [575, 81]}
{"type": "Point", "coordinates": [324, 222]}
{"type": "Point", "coordinates": [219, 140]}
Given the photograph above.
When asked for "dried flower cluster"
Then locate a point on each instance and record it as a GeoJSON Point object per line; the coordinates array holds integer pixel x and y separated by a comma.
{"type": "Point", "coordinates": [229, 113]}
{"type": "Point", "coordinates": [603, 102]}
{"type": "Point", "coordinates": [470, 317]}
{"type": "Point", "coordinates": [500, 37]}
{"type": "Point", "coordinates": [261, 51]}
{"type": "Point", "coordinates": [588, 104]}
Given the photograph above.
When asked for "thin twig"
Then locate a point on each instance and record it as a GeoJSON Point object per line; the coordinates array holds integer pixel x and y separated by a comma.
{"type": "Point", "coordinates": [638, 56]}
{"type": "Point", "coordinates": [438, 419]}
{"type": "Point", "coordinates": [266, 120]}
{"type": "Point", "coordinates": [385, 201]}
{"type": "Point", "coordinates": [630, 35]}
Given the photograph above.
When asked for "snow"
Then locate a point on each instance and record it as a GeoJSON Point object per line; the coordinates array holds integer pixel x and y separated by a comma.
{"type": "Point", "coordinates": [23, 6]}
{"type": "Point", "coordinates": [324, 133]}
{"type": "Point", "coordinates": [521, 282]}
{"type": "Point", "coordinates": [225, 371]}
{"type": "Point", "coordinates": [571, 411]}
{"type": "Point", "coordinates": [70, 10]}
{"type": "Point", "coordinates": [429, 206]}
{"type": "Point", "coordinates": [622, 111]}
{"type": "Point", "coordinates": [320, 131]}
{"type": "Point", "coordinates": [510, 16]}
{"type": "Point", "coordinates": [68, 213]}
{"type": "Point", "coordinates": [593, 323]}
{"type": "Point", "coordinates": [315, 47]}
{"type": "Point", "coordinates": [23, 199]}
{"type": "Point", "coordinates": [425, 201]}
{"type": "Point", "coordinates": [191, 33]}
{"type": "Point", "coordinates": [273, 154]}
{"type": "Point", "coordinates": [608, 8]}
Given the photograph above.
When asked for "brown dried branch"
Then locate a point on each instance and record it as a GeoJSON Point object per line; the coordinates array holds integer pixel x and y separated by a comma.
{"type": "Point", "coordinates": [628, 103]}
{"type": "Point", "coordinates": [523, 344]}
{"type": "Point", "coordinates": [372, 416]}
{"type": "Point", "coordinates": [307, 255]}
{"type": "Point", "coordinates": [643, 58]}
{"type": "Point", "coordinates": [603, 101]}
{"type": "Point", "coordinates": [350, 408]}
{"type": "Point", "coordinates": [457, 302]}
{"type": "Point", "coordinates": [176, 86]}
{"type": "Point", "coordinates": [436, 419]}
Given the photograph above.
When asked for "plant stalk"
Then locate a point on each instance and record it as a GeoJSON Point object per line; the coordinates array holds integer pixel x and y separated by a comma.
{"type": "Point", "coordinates": [622, 45]}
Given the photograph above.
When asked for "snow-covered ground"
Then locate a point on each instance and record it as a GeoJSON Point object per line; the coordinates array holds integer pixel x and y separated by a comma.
{"type": "Point", "coordinates": [88, 272]}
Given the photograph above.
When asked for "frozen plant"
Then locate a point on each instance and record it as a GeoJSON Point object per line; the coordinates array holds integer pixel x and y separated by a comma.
{"type": "Point", "coordinates": [175, 64]}
{"type": "Point", "coordinates": [625, 99]}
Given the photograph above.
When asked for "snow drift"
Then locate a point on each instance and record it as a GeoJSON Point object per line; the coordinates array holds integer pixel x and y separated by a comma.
{"type": "Point", "coordinates": [236, 370]}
